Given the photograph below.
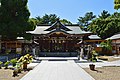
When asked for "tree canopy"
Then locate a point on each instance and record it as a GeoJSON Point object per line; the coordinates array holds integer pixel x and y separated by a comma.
{"type": "Point", "coordinates": [14, 18]}
{"type": "Point", "coordinates": [85, 21]}
{"type": "Point", "coordinates": [65, 21]}
{"type": "Point", "coordinates": [106, 25]}
{"type": "Point", "coordinates": [104, 14]}
{"type": "Point", "coordinates": [47, 19]}
{"type": "Point", "coordinates": [117, 4]}
{"type": "Point", "coordinates": [50, 19]}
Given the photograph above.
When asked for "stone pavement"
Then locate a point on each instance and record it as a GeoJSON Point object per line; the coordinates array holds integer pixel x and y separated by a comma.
{"type": "Point", "coordinates": [57, 70]}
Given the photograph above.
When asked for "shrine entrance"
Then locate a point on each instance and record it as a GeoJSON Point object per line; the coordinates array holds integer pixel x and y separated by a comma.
{"type": "Point", "coordinates": [58, 39]}
{"type": "Point", "coordinates": [58, 45]}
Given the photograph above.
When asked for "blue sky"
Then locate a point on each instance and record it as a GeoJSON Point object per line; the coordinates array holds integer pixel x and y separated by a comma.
{"type": "Point", "coordinates": [69, 9]}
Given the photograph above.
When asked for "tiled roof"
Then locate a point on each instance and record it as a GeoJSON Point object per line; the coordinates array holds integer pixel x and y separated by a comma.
{"type": "Point", "coordinates": [94, 37]}
{"type": "Point", "coordinates": [116, 36]}
{"type": "Point", "coordinates": [58, 27]}
{"type": "Point", "coordinates": [74, 30]}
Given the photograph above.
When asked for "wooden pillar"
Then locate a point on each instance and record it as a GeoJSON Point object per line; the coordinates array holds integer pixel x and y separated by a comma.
{"type": "Point", "coordinates": [50, 45]}
{"type": "Point", "coordinates": [16, 44]}
{"type": "Point", "coordinates": [5, 44]}
{"type": "Point", "coordinates": [66, 45]}
{"type": "Point", "coordinates": [40, 43]}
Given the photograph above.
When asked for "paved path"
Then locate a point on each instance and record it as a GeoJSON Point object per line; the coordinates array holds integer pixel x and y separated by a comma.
{"type": "Point", "coordinates": [57, 70]}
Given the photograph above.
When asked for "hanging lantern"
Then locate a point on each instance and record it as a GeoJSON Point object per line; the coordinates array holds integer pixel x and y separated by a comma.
{"type": "Point", "coordinates": [116, 4]}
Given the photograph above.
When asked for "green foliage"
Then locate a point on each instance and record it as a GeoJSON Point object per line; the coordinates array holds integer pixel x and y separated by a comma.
{"type": "Point", "coordinates": [28, 36]}
{"type": "Point", "coordinates": [13, 62]}
{"type": "Point", "coordinates": [6, 64]}
{"type": "Point", "coordinates": [47, 19]}
{"type": "Point", "coordinates": [117, 4]}
{"type": "Point", "coordinates": [106, 45]}
{"type": "Point", "coordinates": [85, 21]}
{"type": "Point", "coordinates": [104, 15]}
{"type": "Point", "coordinates": [106, 25]}
{"type": "Point", "coordinates": [25, 59]}
{"type": "Point", "coordinates": [50, 19]}
{"type": "Point", "coordinates": [94, 54]}
{"type": "Point", "coordinates": [31, 24]}
{"type": "Point", "coordinates": [1, 64]}
{"type": "Point", "coordinates": [14, 16]}
{"type": "Point", "coordinates": [66, 22]}
{"type": "Point", "coordinates": [18, 67]}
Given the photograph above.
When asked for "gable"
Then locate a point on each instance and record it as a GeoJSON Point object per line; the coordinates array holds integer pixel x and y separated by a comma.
{"type": "Point", "coordinates": [58, 26]}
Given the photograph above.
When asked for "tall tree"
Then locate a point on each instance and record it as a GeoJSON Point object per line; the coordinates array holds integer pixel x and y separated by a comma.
{"type": "Point", "coordinates": [85, 21]}
{"type": "Point", "coordinates": [104, 15]}
{"type": "Point", "coordinates": [106, 27]}
{"type": "Point", "coordinates": [50, 19]}
{"type": "Point", "coordinates": [30, 27]}
{"type": "Point", "coordinates": [47, 19]}
{"type": "Point", "coordinates": [66, 22]}
{"type": "Point", "coordinates": [14, 18]}
{"type": "Point", "coordinates": [117, 4]}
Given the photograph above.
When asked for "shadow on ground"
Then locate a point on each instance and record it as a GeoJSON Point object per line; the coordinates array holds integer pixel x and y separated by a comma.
{"type": "Point", "coordinates": [78, 61]}
{"type": "Point", "coordinates": [98, 71]}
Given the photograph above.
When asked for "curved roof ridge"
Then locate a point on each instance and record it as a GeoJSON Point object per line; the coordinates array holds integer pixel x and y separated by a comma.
{"type": "Point", "coordinates": [58, 25]}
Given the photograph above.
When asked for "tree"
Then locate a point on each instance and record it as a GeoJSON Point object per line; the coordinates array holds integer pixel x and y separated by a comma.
{"type": "Point", "coordinates": [14, 18]}
{"type": "Point", "coordinates": [104, 15]}
{"type": "Point", "coordinates": [106, 46]}
{"type": "Point", "coordinates": [30, 27]}
{"type": "Point", "coordinates": [66, 22]}
{"type": "Point", "coordinates": [50, 19]}
{"type": "Point", "coordinates": [47, 19]}
{"type": "Point", "coordinates": [85, 21]}
{"type": "Point", "coordinates": [107, 26]}
{"type": "Point", "coordinates": [117, 4]}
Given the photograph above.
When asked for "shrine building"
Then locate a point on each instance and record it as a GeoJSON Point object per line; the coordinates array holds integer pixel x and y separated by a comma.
{"type": "Point", "coordinates": [58, 37]}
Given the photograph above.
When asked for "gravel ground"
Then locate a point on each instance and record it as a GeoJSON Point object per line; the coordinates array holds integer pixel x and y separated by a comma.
{"type": "Point", "coordinates": [6, 74]}
{"type": "Point", "coordinates": [109, 58]}
{"type": "Point", "coordinates": [105, 73]}
{"type": "Point", "coordinates": [113, 59]}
